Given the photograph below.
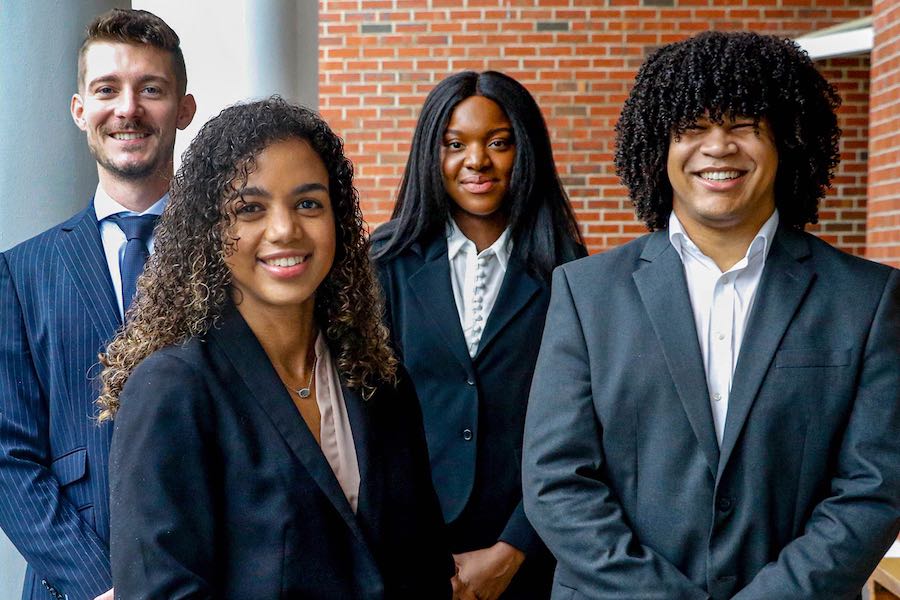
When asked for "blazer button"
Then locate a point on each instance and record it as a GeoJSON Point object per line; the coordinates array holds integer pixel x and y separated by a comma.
{"type": "Point", "coordinates": [467, 434]}
{"type": "Point", "coordinates": [724, 504]}
{"type": "Point", "coordinates": [470, 381]}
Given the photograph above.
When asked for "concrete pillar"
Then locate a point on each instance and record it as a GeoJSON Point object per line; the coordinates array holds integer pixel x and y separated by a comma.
{"type": "Point", "coordinates": [46, 171]}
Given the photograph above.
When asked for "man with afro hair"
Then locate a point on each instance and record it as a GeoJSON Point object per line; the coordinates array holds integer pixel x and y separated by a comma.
{"type": "Point", "coordinates": [715, 411]}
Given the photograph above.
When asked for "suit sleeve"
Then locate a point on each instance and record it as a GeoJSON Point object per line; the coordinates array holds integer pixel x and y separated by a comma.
{"type": "Point", "coordinates": [162, 509]}
{"type": "Point", "coordinates": [849, 532]}
{"type": "Point", "coordinates": [36, 516]}
{"type": "Point", "coordinates": [573, 510]}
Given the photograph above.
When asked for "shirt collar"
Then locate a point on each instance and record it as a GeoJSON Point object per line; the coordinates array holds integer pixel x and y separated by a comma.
{"type": "Point", "coordinates": [762, 242]}
{"type": "Point", "coordinates": [457, 240]}
{"type": "Point", "coordinates": [105, 206]}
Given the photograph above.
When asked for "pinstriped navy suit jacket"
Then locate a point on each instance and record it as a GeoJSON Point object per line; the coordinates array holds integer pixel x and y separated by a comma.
{"type": "Point", "coordinates": [57, 312]}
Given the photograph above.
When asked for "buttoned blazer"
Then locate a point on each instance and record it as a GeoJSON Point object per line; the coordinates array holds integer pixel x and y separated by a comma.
{"type": "Point", "coordinates": [57, 312]}
{"type": "Point", "coordinates": [474, 408]}
{"type": "Point", "coordinates": [623, 476]}
{"type": "Point", "coordinates": [219, 489]}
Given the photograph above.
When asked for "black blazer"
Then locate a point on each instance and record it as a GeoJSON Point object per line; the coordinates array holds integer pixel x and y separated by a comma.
{"type": "Point", "coordinates": [219, 490]}
{"type": "Point", "coordinates": [474, 408]}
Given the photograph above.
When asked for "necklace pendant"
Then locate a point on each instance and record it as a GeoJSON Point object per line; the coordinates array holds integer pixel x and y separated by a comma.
{"type": "Point", "coordinates": [303, 392]}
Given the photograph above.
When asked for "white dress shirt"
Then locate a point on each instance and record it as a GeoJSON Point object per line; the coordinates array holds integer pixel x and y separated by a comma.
{"type": "Point", "coordinates": [721, 303]}
{"type": "Point", "coordinates": [112, 237]}
{"type": "Point", "coordinates": [476, 278]}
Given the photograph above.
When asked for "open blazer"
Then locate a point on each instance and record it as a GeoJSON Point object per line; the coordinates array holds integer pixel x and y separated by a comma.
{"type": "Point", "coordinates": [219, 489]}
{"type": "Point", "coordinates": [623, 476]}
{"type": "Point", "coordinates": [474, 408]}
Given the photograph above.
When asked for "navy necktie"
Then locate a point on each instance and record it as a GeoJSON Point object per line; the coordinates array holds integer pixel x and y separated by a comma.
{"type": "Point", "coordinates": [137, 230]}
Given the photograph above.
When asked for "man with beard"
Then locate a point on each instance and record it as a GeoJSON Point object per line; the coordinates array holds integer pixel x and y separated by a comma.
{"type": "Point", "coordinates": [64, 293]}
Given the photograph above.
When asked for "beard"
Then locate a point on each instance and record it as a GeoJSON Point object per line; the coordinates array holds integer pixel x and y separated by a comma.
{"type": "Point", "coordinates": [129, 170]}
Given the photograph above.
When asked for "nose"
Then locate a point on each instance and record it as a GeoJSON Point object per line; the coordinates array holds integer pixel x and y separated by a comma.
{"type": "Point", "coordinates": [128, 105]}
{"type": "Point", "coordinates": [718, 142]}
{"type": "Point", "coordinates": [281, 225]}
{"type": "Point", "coordinates": [477, 158]}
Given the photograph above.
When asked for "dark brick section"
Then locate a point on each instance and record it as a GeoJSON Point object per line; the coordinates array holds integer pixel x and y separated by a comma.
{"type": "Point", "coordinates": [657, 2]}
{"type": "Point", "coordinates": [376, 28]}
{"type": "Point", "coordinates": [552, 26]}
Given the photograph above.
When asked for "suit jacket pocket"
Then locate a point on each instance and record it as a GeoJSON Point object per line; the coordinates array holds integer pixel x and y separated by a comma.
{"type": "Point", "coordinates": [70, 467]}
{"type": "Point", "coordinates": [811, 357]}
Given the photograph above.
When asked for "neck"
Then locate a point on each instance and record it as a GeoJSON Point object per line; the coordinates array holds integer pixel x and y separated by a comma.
{"type": "Point", "coordinates": [288, 337]}
{"type": "Point", "coordinates": [726, 245]}
{"type": "Point", "coordinates": [483, 231]}
{"type": "Point", "coordinates": [136, 195]}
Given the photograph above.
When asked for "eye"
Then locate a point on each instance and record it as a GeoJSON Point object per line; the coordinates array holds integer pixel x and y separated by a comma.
{"type": "Point", "coordinates": [104, 90]}
{"type": "Point", "coordinates": [152, 90]}
{"type": "Point", "coordinates": [501, 143]}
{"type": "Point", "coordinates": [309, 204]}
{"type": "Point", "coordinates": [453, 145]}
{"type": "Point", "coordinates": [744, 126]}
{"type": "Point", "coordinates": [247, 209]}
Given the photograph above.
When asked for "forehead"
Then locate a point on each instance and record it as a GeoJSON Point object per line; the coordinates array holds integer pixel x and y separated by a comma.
{"type": "Point", "coordinates": [120, 60]}
{"type": "Point", "coordinates": [288, 162]}
{"type": "Point", "coordinates": [477, 113]}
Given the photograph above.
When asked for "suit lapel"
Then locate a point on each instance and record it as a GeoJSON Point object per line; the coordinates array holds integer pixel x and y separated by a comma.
{"type": "Point", "coordinates": [663, 290]}
{"type": "Point", "coordinates": [785, 280]}
{"type": "Point", "coordinates": [252, 365]}
{"type": "Point", "coordinates": [516, 291]}
{"type": "Point", "coordinates": [432, 288]}
{"type": "Point", "coordinates": [81, 251]}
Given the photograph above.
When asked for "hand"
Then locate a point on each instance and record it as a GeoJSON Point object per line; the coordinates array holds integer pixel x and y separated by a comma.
{"type": "Point", "coordinates": [485, 574]}
{"type": "Point", "coordinates": [108, 595]}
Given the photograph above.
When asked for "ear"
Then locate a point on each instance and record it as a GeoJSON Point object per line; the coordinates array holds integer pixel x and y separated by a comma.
{"type": "Point", "coordinates": [187, 107]}
{"type": "Point", "coordinates": [77, 110]}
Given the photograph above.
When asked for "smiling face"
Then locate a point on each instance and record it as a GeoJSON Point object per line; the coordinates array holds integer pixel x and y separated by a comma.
{"type": "Point", "coordinates": [129, 107]}
{"type": "Point", "coordinates": [723, 176]}
{"type": "Point", "coordinates": [285, 227]}
{"type": "Point", "coordinates": [477, 160]}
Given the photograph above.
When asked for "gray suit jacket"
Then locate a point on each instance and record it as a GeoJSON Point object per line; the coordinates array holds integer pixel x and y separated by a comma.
{"type": "Point", "coordinates": [622, 475]}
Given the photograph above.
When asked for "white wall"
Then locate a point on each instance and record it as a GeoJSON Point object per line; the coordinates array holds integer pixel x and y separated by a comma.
{"type": "Point", "coordinates": [242, 49]}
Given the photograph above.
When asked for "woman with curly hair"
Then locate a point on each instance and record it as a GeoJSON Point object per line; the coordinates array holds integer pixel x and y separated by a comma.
{"type": "Point", "coordinates": [267, 443]}
{"type": "Point", "coordinates": [480, 222]}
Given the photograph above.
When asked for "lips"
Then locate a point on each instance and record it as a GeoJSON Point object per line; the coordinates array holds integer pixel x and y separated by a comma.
{"type": "Point", "coordinates": [128, 136]}
{"type": "Point", "coordinates": [284, 266]}
{"type": "Point", "coordinates": [478, 185]}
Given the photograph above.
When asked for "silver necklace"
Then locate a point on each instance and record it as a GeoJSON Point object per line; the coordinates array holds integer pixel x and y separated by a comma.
{"type": "Point", "coordinates": [305, 391]}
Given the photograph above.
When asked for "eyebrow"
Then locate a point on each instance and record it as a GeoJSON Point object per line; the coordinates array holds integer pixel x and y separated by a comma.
{"type": "Point", "coordinates": [300, 189]}
{"type": "Point", "coordinates": [115, 78]}
{"type": "Point", "coordinates": [491, 132]}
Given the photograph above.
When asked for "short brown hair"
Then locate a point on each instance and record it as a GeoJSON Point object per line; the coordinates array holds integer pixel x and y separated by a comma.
{"type": "Point", "coordinates": [135, 27]}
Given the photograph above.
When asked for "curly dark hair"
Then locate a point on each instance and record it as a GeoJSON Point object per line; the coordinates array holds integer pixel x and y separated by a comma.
{"type": "Point", "coordinates": [729, 75]}
{"type": "Point", "coordinates": [186, 284]}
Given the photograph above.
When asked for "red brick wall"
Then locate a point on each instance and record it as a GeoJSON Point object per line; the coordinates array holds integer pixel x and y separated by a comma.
{"type": "Point", "coordinates": [379, 58]}
{"type": "Point", "coordinates": [883, 235]}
